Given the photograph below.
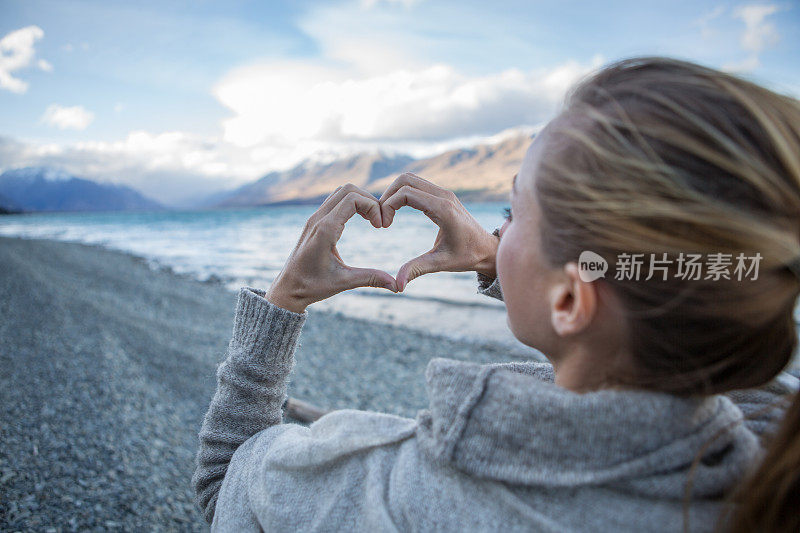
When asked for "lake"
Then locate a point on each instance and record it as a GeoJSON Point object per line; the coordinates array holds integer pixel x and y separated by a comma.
{"type": "Point", "coordinates": [249, 246]}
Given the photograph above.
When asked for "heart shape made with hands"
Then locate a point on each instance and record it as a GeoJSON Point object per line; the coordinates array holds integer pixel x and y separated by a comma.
{"type": "Point", "coordinates": [461, 243]}
{"type": "Point", "coordinates": [403, 234]}
{"type": "Point", "coordinates": [310, 275]}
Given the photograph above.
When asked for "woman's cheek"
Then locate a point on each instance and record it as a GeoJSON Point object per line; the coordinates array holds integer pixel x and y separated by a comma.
{"type": "Point", "coordinates": [511, 298]}
{"type": "Point", "coordinates": [514, 283]}
{"type": "Point", "coordinates": [504, 266]}
{"type": "Point", "coordinates": [499, 262]}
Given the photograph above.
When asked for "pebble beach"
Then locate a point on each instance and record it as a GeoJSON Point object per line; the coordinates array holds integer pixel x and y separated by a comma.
{"type": "Point", "coordinates": [109, 367]}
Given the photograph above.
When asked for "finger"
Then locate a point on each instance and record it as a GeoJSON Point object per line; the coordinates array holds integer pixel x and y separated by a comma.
{"type": "Point", "coordinates": [412, 180]}
{"type": "Point", "coordinates": [424, 264]}
{"type": "Point", "coordinates": [369, 277]}
{"type": "Point", "coordinates": [336, 196]}
{"type": "Point", "coordinates": [332, 199]}
{"type": "Point", "coordinates": [327, 200]}
{"type": "Point", "coordinates": [352, 203]}
{"type": "Point", "coordinates": [434, 207]}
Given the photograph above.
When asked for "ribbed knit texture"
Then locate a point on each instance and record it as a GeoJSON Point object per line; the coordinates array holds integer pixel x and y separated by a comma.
{"type": "Point", "coordinates": [489, 286]}
{"type": "Point", "coordinates": [499, 448]}
{"type": "Point", "coordinates": [251, 388]}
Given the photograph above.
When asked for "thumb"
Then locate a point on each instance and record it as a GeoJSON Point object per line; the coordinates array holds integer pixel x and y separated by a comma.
{"type": "Point", "coordinates": [370, 277]}
{"type": "Point", "coordinates": [424, 264]}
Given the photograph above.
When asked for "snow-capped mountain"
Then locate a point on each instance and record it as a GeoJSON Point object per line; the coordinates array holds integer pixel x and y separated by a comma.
{"type": "Point", "coordinates": [482, 172]}
{"type": "Point", "coordinates": [52, 189]}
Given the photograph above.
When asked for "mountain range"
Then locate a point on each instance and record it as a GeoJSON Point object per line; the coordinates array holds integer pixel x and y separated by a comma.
{"type": "Point", "coordinates": [308, 182]}
{"type": "Point", "coordinates": [480, 173]}
{"type": "Point", "coordinates": [49, 189]}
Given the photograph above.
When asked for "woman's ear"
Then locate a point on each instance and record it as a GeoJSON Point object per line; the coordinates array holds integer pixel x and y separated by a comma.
{"type": "Point", "coordinates": [572, 302]}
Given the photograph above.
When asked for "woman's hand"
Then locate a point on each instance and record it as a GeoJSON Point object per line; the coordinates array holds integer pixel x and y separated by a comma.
{"type": "Point", "coordinates": [461, 244]}
{"type": "Point", "coordinates": [315, 270]}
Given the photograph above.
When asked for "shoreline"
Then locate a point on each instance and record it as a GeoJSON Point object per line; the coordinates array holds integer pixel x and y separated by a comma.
{"type": "Point", "coordinates": [109, 367]}
{"type": "Point", "coordinates": [468, 317]}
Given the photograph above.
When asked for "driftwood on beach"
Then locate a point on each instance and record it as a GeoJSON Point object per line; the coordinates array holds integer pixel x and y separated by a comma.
{"type": "Point", "coordinates": [303, 411]}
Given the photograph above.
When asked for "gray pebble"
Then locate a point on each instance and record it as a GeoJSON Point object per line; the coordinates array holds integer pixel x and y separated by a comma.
{"type": "Point", "coordinates": [109, 367]}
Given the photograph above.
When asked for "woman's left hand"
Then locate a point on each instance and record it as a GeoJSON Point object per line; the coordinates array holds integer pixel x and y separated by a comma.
{"type": "Point", "coordinates": [315, 270]}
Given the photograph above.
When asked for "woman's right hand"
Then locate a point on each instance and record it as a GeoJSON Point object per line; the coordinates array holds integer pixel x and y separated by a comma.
{"type": "Point", "coordinates": [461, 245]}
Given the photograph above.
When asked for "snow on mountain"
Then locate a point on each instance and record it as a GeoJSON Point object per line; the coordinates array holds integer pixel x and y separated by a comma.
{"type": "Point", "coordinates": [52, 189]}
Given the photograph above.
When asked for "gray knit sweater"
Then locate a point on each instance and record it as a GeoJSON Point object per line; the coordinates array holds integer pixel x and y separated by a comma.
{"type": "Point", "coordinates": [500, 448]}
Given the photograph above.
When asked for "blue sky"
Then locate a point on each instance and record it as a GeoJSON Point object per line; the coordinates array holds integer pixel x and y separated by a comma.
{"type": "Point", "coordinates": [181, 98]}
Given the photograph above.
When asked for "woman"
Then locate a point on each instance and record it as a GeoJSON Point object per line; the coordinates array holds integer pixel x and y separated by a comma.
{"type": "Point", "coordinates": [640, 423]}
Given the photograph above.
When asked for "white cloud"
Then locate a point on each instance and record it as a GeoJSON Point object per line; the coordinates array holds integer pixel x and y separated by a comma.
{"type": "Point", "coordinates": [375, 85]}
{"type": "Point", "coordinates": [17, 52]}
{"type": "Point", "coordinates": [367, 42]}
{"type": "Point", "coordinates": [67, 118]}
{"type": "Point", "coordinates": [704, 22]}
{"type": "Point", "coordinates": [172, 150]}
{"type": "Point", "coordinates": [758, 34]}
{"type": "Point", "coordinates": [172, 167]}
{"type": "Point", "coordinates": [177, 168]}
{"type": "Point", "coordinates": [372, 3]}
{"type": "Point", "coordinates": [69, 47]}
{"type": "Point", "coordinates": [288, 113]}
{"type": "Point", "coordinates": [380, 77]}
{"type": "Point", "coordinates": [284, 103]}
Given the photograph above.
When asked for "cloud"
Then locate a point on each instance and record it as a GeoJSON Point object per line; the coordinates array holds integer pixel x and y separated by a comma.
{"type": "Point", "coordinates": [704, 22]}
{"type": "Point", "coordinates": [758, 35]}
{"type": "Point", "coordinates": [367, 4]}
{"type": "Point", "coordinates": [283, 103]}
{"type": "Point", "coordinates": [385, 76]}
{"type": "Point", "coordinates": [378, 81]}
{"type": "Point", "coordinates": [67, 118]}
{"type": "Point", "coordinates": [17, 52]}
{"type": "Point", "coordinates": [69, 47]}
{"type": "Point", "coordinates": [172, 167]}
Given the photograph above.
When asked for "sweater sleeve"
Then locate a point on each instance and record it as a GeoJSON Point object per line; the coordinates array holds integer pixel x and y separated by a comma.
{"type": "Point", "coordinates": [488, 285]}
{"type": "Point", "coordinates": [251, 388]}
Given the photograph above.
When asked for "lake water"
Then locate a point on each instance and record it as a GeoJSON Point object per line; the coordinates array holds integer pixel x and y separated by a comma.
{"type": "Point", "coordinates": [250, 246]}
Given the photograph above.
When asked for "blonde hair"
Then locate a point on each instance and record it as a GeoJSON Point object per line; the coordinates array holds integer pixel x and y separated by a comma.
{"type": "Point", "coordinates": [665, 156]}
{"type": "Point", "coordinates": [662, 156]}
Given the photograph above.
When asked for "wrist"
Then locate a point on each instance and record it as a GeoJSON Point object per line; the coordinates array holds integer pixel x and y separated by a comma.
{"type": "Point", "coordinates": [486, 264]}
{"type": "Point", "coordinates": [285, 301]}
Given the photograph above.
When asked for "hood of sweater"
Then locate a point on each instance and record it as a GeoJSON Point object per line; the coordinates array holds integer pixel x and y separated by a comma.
{"type": "Point", "coordinates": [511, 423]}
